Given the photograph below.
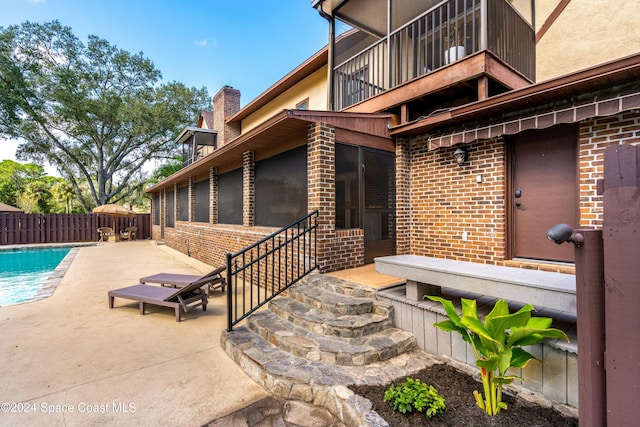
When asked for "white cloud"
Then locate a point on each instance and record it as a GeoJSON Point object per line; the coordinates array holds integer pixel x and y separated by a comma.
{"type": "Point", "coordinates": [8, 149]}
{"type": "Point", "coordinates": [201, 43]}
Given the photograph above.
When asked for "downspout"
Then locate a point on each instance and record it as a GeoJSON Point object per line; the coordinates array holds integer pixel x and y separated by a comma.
{"type": "Point", "coordinates": [332, 36]}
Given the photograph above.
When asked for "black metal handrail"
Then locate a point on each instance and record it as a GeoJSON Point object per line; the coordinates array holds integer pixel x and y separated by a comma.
{"type": "Point", "coordinates": [262, 271]}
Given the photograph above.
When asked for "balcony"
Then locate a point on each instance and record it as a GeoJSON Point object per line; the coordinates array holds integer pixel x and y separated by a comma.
{"type": "Point", "coordinates": [196, 143]}
{"type": "Point", "coordinates": [445, 35]}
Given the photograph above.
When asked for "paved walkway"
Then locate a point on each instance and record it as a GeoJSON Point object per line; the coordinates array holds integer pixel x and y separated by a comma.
{"type": "Point", "coordinates": [70, 361]}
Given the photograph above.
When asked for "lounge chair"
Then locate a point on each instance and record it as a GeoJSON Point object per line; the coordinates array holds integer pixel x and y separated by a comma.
{"type": "Point", "coordinates": [215, 279]}
{"type": "Point", "coordinates": [104, 233]}
{"type": "Point", "coordinates": [129, 233]}
{"type": "Point", "coordinates": [181, 299]}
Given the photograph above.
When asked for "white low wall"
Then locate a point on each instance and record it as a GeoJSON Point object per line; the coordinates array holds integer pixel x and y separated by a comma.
{"type": "Point", "coordinates": [556, 377]}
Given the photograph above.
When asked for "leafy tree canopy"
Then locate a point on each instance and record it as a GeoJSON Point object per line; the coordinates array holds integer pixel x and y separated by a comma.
{"type": "Point", "coordinates": [14, 178]}
{"type": "Point", "coordinates": [95, 112]}
{"type": "Point", "coordinates": [28, 187]}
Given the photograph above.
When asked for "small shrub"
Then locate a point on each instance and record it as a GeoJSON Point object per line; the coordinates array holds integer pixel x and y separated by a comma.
{"type": "Point", "coordinates": [415, 395]}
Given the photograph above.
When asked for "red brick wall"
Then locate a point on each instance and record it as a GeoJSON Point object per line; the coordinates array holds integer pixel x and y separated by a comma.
{"type": "Point", "coordinates": [403, 196]}
{"type": "Point", "coordinates": [595, 136]}
{"type": "Point", "coordinates": [210, 243]}
{"type": "Point", "coordinates": [336, 250]}
{"type": "Point", "coordinates": [445, 200]}
{"type": "Point", "coordinates": [225, 104]}
{"type": "Point", "coordinates": [248, 188]}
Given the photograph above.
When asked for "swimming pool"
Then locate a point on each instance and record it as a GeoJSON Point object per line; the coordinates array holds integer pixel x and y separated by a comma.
{"type": "Point", "coordinates": [23, 272]}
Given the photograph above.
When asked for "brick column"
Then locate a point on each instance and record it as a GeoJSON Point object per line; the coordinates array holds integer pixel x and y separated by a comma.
{"type": "Point", "coordinates": [403, 196]}
{"type": "Point", "coordinates": [321, 187]}
{"type": "Point", "coordinates": [213, 195]}
{"type": "Point", "coordinates": [192, 199]}
{"type": "Point", "coordinates": [248, 188]}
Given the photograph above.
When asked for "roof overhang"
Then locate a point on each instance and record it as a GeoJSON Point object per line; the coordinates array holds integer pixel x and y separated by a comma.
{"type": "Point", "coordinates": [277, 134]}
{"type": "Point", "coordinates": [190, 131]}
{"type": "Point", "coordinates": [613, 77]}
{"type": "Point", "coordinates": [372, 16]}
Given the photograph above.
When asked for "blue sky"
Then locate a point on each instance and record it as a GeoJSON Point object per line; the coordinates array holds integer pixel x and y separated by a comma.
{"type": "Point", "coordinates": [247, 44]}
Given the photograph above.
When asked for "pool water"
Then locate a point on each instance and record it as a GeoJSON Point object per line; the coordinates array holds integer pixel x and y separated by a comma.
{"type": "Point", "coordinates": [24, 271]}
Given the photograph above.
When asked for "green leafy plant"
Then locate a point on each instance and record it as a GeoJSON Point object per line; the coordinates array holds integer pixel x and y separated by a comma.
{"type": "Point", "coordinates": [415, 395]}
{"type": "Point", "coordinates": [497, 343]}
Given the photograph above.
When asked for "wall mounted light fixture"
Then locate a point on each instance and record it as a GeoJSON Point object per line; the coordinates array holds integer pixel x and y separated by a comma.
{"type": "Point", "coordinates": [460, 155]}
{"type": "Point", "coordinates": [561, 233]}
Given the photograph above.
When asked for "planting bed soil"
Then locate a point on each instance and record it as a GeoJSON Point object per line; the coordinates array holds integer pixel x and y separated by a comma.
{"type": "Point", "coordinates": [457, 389]}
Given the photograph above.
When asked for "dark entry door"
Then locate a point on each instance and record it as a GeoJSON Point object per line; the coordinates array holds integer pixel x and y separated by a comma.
{"type": "Point", "coordinates": [544, 191]}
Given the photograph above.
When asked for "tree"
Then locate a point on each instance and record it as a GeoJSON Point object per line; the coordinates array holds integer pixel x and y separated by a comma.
{"type": "Point", "coordinates": [165, 170]}
{"type": "Point", "coordinates": [35, 198]}
{"type": "Point", "coordinates": [95, 112]}
{"type": "Point", "coordinates": [63, 196]}
{"type": "Point", "coordinates": [14, 178]}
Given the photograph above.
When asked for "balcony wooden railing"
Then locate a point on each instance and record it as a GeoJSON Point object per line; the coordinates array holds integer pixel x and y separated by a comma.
{"type": "Point", "coordinates": [440, 36]}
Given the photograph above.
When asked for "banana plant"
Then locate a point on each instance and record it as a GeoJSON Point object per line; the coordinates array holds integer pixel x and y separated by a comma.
{"type": "Point", "coordinates": [497, 343]}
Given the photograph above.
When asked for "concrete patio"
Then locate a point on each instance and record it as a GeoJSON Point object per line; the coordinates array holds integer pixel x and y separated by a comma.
{"type": "Point", "coordinates": [70, 360]}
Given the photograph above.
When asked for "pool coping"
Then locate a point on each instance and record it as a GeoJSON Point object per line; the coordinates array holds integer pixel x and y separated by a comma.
{"type": "Point", "coordinates": [51, 283]}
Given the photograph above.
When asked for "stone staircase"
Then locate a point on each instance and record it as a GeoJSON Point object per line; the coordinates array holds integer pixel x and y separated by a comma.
{"type": "Point", "coordinates": [325, 335]}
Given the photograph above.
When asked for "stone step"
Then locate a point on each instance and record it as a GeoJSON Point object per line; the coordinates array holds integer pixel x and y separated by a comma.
{"type": "Point", "coordinates": [332, 302]}
{"type": "Point", "coordinates": [324, 322]}
{"type": "Point", "coordinates": [294, 377]}
{"type": "Point", "coordinates": [300, 342]}
{"type": "Point", "coordinates": [339, 286]}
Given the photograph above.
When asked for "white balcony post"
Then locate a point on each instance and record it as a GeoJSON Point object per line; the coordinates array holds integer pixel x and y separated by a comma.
{"type": "Point", "coordinates": [388, 41]}
{"type": "Point", "coordinates": [484, 30]}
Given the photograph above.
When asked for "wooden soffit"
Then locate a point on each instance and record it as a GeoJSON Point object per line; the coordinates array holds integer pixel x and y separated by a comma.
{"type": "Point", "coordinates": [598, 91]}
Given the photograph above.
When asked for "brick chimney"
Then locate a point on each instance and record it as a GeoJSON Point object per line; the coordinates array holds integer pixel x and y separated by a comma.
{"type": "Point", "coordinates": [225, 104]}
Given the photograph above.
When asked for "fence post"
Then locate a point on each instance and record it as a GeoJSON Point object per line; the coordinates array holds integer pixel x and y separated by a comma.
{"type": "Point", "coordinates": [591, 330]}
{"type": "Point", "coordinates": [621, 236]}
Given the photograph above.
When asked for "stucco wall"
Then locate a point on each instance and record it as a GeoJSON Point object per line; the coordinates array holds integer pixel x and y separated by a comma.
{"type": "Point", "coordinates": [587, 33]}
{"type": "Point", "coordinates": [313, 87]}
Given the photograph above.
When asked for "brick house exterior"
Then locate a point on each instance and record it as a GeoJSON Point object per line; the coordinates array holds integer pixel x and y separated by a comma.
{"type": "Point", "coordinates": [436, 201]}
{"type": "Point", "coordinates": [441, 209]}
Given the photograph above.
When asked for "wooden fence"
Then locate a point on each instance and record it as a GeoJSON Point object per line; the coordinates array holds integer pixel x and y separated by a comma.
{"type": "Point", "coordinates": [18, 229]}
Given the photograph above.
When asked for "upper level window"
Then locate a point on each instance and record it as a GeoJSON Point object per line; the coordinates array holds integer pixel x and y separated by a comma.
{"type": "Point", "coordinates": [303, 105]}
{"type": "Point", "coordinates": [196, 143]}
